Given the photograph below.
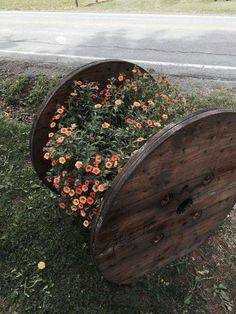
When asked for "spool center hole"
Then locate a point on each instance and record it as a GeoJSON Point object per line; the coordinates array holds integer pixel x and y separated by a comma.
{"type": "Point", "coordinates": [184, 206]}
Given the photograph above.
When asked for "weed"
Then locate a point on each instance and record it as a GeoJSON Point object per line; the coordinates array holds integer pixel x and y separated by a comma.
{"type": "Point", "coordinates": [12, 91]}
{"type": "Point", "coordinates": [221, 292]}
{"type": "Point", "coordinates": [41, 87]}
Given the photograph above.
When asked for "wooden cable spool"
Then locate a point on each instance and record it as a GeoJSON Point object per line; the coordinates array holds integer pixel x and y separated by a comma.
{"type": "Point", "coordinates": [170, 195]}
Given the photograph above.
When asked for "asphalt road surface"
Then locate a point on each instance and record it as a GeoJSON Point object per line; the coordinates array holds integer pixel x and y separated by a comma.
{"type": "Point", "coordinates": [202, 46]}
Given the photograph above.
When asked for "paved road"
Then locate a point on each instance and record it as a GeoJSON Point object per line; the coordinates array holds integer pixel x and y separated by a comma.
{"type": "Point", "coordinates": [171, 44]}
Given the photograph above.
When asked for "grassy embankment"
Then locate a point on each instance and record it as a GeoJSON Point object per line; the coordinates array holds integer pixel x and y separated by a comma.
{"type": "Point", "coordinates": [150, 6]}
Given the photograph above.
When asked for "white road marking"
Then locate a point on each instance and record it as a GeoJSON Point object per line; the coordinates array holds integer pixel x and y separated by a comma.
{"type": "Point", "coordinates": [206, 16]}
{"type": "Point", "coordinates": [91, 58]}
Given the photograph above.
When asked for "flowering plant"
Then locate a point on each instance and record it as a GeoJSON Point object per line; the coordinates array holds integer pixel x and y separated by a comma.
{"type": "Point", "coordinates": [96, 131]}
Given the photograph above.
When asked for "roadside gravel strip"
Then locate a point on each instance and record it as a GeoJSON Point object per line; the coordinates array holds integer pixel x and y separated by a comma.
{"type": "Point", "coordinates": [12, 69]}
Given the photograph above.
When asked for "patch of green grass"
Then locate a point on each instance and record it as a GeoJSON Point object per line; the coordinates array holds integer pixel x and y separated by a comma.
{"type": "Point", "coordinates": [25, 91]}
{"type": "Point", "coordinates": [33, 229]}
{"type": "Point", "coordinates": [42, 85]}
{"type": "Point", "coordinates": [153, 6]}
{"type": "Point", "coordinates": [12, 91]}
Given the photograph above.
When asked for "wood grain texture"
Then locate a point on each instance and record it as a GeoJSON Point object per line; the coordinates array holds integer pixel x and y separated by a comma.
{"type": "Point", "coordinates": [96, 71]}
{"type": "Point", "coordinates": [168, 198]}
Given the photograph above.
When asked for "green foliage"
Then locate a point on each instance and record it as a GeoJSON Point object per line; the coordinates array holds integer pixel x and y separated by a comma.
{"type": "Point", "coordinates": [12, 91]}
{"type": "Point", "coordinates": [41, 87]}
{"type": "Point", "coordinates": [98, 129]}
{"type": "Point", "coordinates": [221, 292]}
{"type": "Point", "coordinates": [26, 91]}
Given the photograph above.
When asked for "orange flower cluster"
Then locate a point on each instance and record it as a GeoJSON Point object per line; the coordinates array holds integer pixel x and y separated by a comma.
{"type": "Point", "coordinates": [88, 145]}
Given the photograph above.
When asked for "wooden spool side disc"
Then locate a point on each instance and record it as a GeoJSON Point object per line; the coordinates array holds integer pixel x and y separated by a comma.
{"type": "Point", "coordinates": [96, 72]}
{"type": "Point", "coordinates": [170, 195]}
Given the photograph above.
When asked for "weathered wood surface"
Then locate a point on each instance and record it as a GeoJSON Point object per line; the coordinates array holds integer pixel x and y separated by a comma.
{"type": "Point", "coordinates": [169, 197]}
{"type": "Point", "coordinates": [95, 71]}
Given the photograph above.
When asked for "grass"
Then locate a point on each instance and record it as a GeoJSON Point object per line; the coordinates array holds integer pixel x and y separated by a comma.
{"type": "Point", "coordinates": [33, 229]}
{"type": "Point", "coordinates": [151, 6]}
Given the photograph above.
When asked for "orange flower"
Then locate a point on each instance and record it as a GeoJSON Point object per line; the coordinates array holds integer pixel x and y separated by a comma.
{"type": "Point", "coordinates": [51, 134]}
{"type": "Point", "coordinates": [136, 104]}
{"type": "Point", "coordinates": [96, 170]}
{"type": "Point", "coordinates": [149, 122]}
{"type": "Point", "coordinates": [145, 108]}
{"type": "Point", "coordinates": [86, 223]}
{"type": "Point", "coordinates": [75, 201]}
{"type": "Point", "coordinates": [46, 156]}
{"type": "Point", "coordinates": [140, 139]}
{"type": "Point", "coordinates": [81, 206]}
{"type": "Point", "coordinates": [72, 192]}
{"type": "Point", "coordinates": [90, 200]}
{"type": "Point", "coordinates": [120, 78]}
{"type": "Point", "coordinates": [54, 162]}
{"type": "Point", "coordinates": [60, 139]}
{"type": "Point", "coordinates": [167, 101]}
{"type": "Point", "coordinates": [114, 158]}
{"type": "Point", "coordinates": [66, 189]}
{"type": "Point", "coordinates": [164, 117]}
{"type": "Point", "coordinates": [101, 188]}
{"type": "Point", "coordinates": [52, 125]}
{"type": "Point", "coordinates": [105, 125]}
{"type": "Point", "coordinates": [62, 160]}
{"type": "Point", "coordinates": [78, 164]}
{"type": "Point", "coordinates": [98, 106]}
{"type": "Point", "coordinates": [129, 120]}
{"type": "Point", "coordinates": [95, 188]}
{"type": "Point", "coordinates": [60, 110]}
{"type": "Point", "coordinates": [78, 190]}
{"type": "Point", "coordinates": [68, 133]}
{"type": "Point", "coordinates": [138, 125]}
{"type": "Point", "coordinates": [63, 130]}
{"type": "Point", "coordinates": [73, 94]}
{"type": "Point", "coordinates": [82, 199]}
{"type": "Point", "coordinates": [88, 168]}
{"type": "Point", "coordinates": [74, 208]}
{"type": "Point", "coordinates": [62, 205]}
{"type": "Point", "coordinates": [118, 102]}
{"type": "Point", "coordinates": [57, 179]}
{"type": "Point", "coordinates": [41, 265]}
{"type": "Point", "coordinates": [56, 117]}
{"type": "Point", "coordinates": [98, 159]}
{"type": "Point", "coordinates": [48, 144]}
{"type": "Point", "coordinates": [84, 188]}
{"type": "Point", "coordinates": [82, 213]}
{"type": "Point", "coordinates": [108, 165]}
{"type": "Point", "coordinates": [96, 182]}
{"type": "Point", "coordinates": [158, 124]}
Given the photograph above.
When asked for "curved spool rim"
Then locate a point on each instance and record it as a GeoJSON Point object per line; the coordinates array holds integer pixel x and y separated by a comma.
{"type": "Point", "coordinates": [130, 167]}
{"type": "Point", "coordinates": [56, 96]}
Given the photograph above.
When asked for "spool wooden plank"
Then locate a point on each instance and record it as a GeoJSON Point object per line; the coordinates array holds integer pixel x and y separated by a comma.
{"type": "Point", "coordinates": [168, 198]}
{"type": "Point", "coordinates": [97, 72]}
